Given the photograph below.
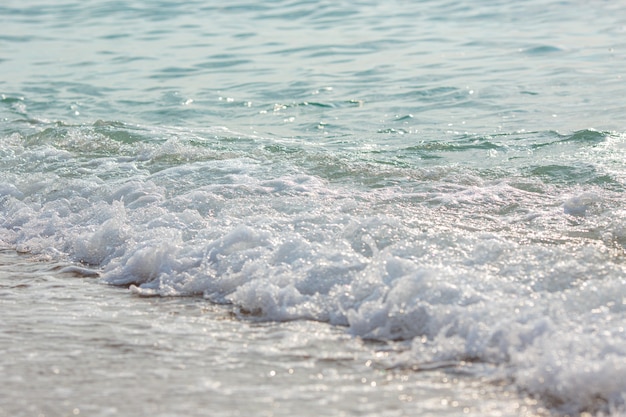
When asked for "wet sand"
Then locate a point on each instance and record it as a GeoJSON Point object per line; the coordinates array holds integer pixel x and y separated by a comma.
{"type": "Point", "coordinates": [70, 345]}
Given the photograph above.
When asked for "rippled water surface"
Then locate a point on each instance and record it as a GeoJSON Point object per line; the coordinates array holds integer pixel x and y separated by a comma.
{"type": "Point", "coordinates": [345, 208]}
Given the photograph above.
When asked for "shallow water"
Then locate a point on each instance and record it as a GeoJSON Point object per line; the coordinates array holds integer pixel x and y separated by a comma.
{"type": "Point", "coordinates": [72, 347]}
{"type": "Point", "coordinates": [433, 188]}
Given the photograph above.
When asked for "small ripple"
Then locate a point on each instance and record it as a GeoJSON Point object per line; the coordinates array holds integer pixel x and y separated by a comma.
{"type": "Point", "coordinates": [542, 50]}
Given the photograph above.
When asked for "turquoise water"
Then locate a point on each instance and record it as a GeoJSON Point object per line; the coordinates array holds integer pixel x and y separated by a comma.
{"type": "Point", "coordinates": [440, 181]}
{"type": "Point", "coordinates": [362, 70]}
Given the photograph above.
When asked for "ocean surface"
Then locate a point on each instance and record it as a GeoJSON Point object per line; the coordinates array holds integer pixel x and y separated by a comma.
{"type": "Point", "coordinates": [310, 207]}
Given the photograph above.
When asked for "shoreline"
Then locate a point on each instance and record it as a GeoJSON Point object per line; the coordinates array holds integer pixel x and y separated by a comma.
{"type": "Point", "coordinates": [71, 346]}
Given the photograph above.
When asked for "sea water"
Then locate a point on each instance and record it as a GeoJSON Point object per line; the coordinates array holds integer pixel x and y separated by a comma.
{"type": "Point", "coordinates": [312, 208]}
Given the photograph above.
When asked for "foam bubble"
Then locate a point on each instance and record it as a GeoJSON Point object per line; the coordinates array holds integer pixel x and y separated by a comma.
{"type": "Point", "coordinates": [580, 204]}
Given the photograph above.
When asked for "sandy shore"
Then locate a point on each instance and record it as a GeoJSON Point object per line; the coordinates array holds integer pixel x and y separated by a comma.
{"type": "Point", "coordinates": [73, 346]}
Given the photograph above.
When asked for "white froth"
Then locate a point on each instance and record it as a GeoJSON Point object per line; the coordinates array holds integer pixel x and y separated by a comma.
{"type": "Point", "coordinates": [580, 204]}
{"type": "Point", "coordinates": [463, 268]}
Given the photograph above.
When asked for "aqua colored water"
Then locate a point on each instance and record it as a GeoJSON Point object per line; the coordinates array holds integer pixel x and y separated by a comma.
{"type": "Point", "coordinates": [310, 207]}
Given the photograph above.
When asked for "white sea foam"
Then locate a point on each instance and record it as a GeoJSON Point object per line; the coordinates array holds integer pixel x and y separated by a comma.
{"type": "Point", "coordinates": [463, 268]}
